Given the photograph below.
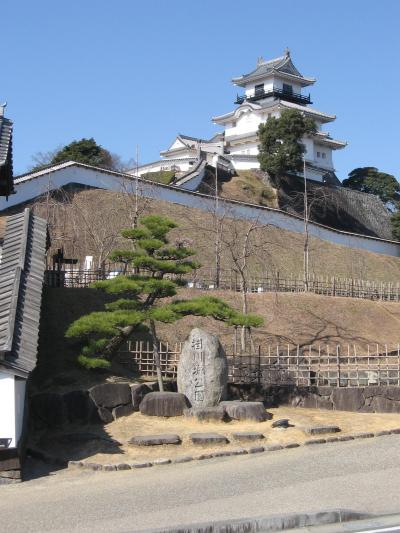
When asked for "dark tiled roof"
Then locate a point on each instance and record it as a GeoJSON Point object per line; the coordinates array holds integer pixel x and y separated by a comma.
{"type": "Point", "coordinates": [6, 168]}
{"type": "Point", "coordinates": [21, 278]}
{"type": "Point", "coordinates": [282, 64]}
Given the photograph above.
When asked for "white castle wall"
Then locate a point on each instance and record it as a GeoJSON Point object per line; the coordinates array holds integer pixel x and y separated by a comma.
{"type": "Point", "coordinates": [29, 188]}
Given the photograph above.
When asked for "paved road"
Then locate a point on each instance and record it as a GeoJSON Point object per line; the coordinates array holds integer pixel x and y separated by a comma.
{"type": "Point", "coordinates": [362, 475]}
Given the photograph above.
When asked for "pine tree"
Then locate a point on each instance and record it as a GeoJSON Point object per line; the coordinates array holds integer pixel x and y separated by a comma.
{"type": "Point", "coordinates": [159, 267]}
{"type": "Point", "coordinates": [281, 149]}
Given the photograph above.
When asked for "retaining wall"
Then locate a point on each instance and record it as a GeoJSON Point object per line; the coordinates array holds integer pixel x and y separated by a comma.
{"type": "Point", "coordinates": [372, 399]}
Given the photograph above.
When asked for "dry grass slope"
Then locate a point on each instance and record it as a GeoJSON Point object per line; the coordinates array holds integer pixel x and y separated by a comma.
{"type": "Point", "coordinates": [273, 249]}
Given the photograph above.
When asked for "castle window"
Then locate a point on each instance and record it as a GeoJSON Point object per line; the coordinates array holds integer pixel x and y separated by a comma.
{"type": "Point", "coordinates": [323, 155]}
{"type": "Point", "coordinates": [318, 154]}
{"type": "Point", "coordinates": [259, 89]}
{"type": "Point", "coordinates": [288, 89]}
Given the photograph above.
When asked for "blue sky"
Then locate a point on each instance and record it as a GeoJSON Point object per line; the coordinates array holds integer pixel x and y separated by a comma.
{"type": "Point", "coordinates": [130, 72]}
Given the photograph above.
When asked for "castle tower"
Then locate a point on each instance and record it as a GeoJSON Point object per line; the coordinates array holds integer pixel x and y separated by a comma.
{"type": "Point", "coordinates": [270, 88]}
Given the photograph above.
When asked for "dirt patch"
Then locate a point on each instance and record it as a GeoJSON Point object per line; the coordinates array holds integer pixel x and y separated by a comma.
{"type": "Point", "coordinates": [136, 424]}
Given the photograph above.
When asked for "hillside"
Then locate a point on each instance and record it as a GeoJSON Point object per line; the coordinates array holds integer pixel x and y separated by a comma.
{"type": "Point", "coordinates": [288, 318]}
{"type": "Point", "coordinates": [88, 223]}
{"type": "Point", "coordinates": [336, 207]}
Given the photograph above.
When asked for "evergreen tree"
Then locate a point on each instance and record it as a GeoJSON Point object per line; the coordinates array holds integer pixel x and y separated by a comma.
{"type": "Point", "coordinates": [372, 181]}
{"type": "Point", "coordinates": [281, 149]}
{"type": "Point", "coordinates": [158, 265]}
{"type": "Point", "coordinates": [83, 151]}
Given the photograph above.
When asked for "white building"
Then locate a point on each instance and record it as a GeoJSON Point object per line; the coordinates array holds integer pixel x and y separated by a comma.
{"type": "Point", "coordinates": [270, 88]}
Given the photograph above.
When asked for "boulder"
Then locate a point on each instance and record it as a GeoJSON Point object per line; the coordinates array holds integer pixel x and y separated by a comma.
{"type": "Point", "coordinates": [48, 410]}
{"type": "Point", "coordinates": [105, 415]}
{"type": "Point", "coordinates": [207, 414]}
{"type": "Point", "coordinates": [154, 440]}
{"type": "Point", "coordinates": [138, 392]}
{"type": "Point", "coordinates": [203, 369]}
{"type": "Point", "coordinates": [247, 411]}
{"type": "Point", "coordinates": [80, 408]}
{"type": "Point", "coordinates": [122, 410]}
{"type": "Point", "coordinates": [111, 395]}
{"type": "Point", "coordinates": [282, 423]}
{"type": "Point", "coordinates": [164, 404]}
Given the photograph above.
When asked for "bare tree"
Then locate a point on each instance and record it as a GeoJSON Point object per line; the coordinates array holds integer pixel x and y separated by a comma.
{"type": "Point", "coordinates": [242, 246]}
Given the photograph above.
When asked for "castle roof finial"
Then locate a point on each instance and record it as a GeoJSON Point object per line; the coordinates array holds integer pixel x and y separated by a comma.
{"type": "Point", "coordinates": [287, 52]}
{"type": "Point", "coordinates": [260, 61]}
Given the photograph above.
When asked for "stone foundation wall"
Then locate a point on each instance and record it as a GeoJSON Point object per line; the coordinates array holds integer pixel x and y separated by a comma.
{"type": "Point", "coordinates": [104, 403]}
{"type": "Point", "coordinates": [378, 399]}
{"type": "Point", "coordinates": [10, 466]}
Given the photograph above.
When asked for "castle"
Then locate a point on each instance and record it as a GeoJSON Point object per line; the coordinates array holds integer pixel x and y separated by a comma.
{"type": "Point", "coordinates": [270, 88]}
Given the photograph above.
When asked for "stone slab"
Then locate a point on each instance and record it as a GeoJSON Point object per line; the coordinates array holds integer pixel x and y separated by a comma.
{"type": "Point", "coordinates": [207, 414]}
{"type": "Point", "coordinates": [161, 461]}
{"type": "Point", "coordinates": [183, 459]}
{"type": "Point", "coordinates": [256, 449]}
{"type": "Point", "coordinates": [273, 448]}
{"type": "Point", "coordinates": [314, 441]}
{"type": "Point", "coordinates": [247, 435]}
{"type": "Point", "coordinates": [246, 411]}
{"type": "Point", "coordinates": [322, 430]}
{"type": "Point", "coordinates": [155, 440]}
{"type": "Point", "coordinates": [208, 438]}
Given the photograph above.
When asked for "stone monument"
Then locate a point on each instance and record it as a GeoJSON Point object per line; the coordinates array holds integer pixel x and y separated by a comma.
{"type": "Point", "coordinates": [203, 369]}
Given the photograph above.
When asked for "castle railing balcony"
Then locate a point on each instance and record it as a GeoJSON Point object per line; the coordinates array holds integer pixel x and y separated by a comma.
{"type": "Point", "coordinates": [290, 96]}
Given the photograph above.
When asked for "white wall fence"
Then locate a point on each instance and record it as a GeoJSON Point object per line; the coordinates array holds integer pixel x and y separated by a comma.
{"type": "Point", "coordinates": [30, 186]}
{"type": "Point", "coordinates": [344, 365]}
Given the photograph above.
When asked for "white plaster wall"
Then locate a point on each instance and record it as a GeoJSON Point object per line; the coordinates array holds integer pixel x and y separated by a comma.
{"type": "Point", "coordinates": [166, 164]}
{"type": "Point", "coordinates": [327, 162]}
{"type": "Point", "coordinates": [250, 87]}
{"type": "Point", "coordinates": [244, 149]}
{"type": "Point", "coordinates": [245, 165]}
{"type": "Point", "coordinates": [177, 144]}
{"type": "Point", "coordinates": [20, 386]}
{"type": "Point", "coordinates": [28, 189]}
{"type": "Point", "coordinates": [309, 144]}
{"type": "Point", "coordinates": [269, 84]}
{"type": "Point", "coordinates": [7, 408]}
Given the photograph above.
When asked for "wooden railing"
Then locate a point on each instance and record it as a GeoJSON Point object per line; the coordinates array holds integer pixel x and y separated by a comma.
{"type": "Point", "coordinates": [70, 277]}
{"type": "Point", "coordinates": [302, 366]}
{"type": "Point", "coordinates": [297, 98]}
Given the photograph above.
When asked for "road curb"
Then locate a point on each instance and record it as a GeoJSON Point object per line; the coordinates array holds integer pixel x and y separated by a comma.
{"type": "Point", "coordinates": [253, 450]}
{"type": "Point", "coordinates": [266, 523]}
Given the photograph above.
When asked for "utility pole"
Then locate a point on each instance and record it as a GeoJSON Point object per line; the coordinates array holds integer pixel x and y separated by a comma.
{"type": "Point", "coordinates": [135, 219]}
{"type": "Point", "coordinates": [217, 230]}
{"type": "Point", "coordinates": [306, 255]}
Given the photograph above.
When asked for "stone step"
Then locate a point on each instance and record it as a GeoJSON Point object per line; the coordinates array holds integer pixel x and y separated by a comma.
{"type": "Point", "coordinates": [322, 430]}
{"type": "Point", "coordinates": [208, 438]}
{"type": "Point", "coordinates": [247, 435]}
{"type": "Point", "coordinates": [154, 440]}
